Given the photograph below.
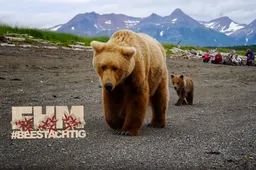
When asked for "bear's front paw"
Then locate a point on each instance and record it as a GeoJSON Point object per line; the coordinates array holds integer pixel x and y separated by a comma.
{"type": "Point", "coordinates": [177, 104]}
{"type": "Point", "coordinates": [120, 132]}
{"type": "Point", "coordinates": [156, 125]}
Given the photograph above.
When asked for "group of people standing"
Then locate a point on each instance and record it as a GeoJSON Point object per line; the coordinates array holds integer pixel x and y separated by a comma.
{"type": "Point", "coordinates": [231, 59]}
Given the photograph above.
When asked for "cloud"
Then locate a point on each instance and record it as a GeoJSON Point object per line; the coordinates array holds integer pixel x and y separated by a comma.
{"type": "Point", "coordinates": [108, 8]}
{"type": "Point", "coordinates": [38, 20]}
{"type": "Point", "coordinates": [40, 13]}
{"type": "Point", "coordinates": [64, 1]}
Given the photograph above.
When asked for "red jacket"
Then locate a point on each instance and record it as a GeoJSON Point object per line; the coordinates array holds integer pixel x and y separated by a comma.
{"type": "Point", "coordinates": [206, 56]}
{"type": "Point", "coordinates": [218, 58]}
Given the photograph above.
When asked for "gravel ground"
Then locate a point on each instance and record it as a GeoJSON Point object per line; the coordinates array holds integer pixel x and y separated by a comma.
{"type": "Point", "coordinates": [217, 132]}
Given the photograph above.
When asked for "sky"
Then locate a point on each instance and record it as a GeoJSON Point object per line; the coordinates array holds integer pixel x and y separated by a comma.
{"type": "Point", "coordinates": [48, 13]}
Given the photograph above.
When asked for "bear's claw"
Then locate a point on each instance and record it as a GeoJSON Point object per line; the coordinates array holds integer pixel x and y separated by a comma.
{"type": "Point", "coordinates": [120, 132]}
{"type": "Point", "coordinates": [155, 125]}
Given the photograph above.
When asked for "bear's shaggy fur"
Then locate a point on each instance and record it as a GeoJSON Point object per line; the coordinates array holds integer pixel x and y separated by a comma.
{"type": "Point", "coordinates": [184, 87]}
{"type": "Point", "coordinates": [133, 72]}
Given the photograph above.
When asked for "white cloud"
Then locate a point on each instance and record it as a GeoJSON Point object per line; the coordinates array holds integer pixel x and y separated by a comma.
{"type": "Point", "coordinates": [64, 1]}
{"type": "Point", "coordinates": [38, 20]}
{"type": "Point", "coordinates": [40, 13]}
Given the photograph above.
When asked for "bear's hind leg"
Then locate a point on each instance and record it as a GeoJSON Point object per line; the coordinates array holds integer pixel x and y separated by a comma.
{"type": "Point", "coordinates": [159, 105]}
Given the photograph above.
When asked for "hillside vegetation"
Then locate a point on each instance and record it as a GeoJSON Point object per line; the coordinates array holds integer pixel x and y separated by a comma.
{"type": "Point", "coordinates": [54, 37]}
{"type": "Point", "coordinates": [65, 38]}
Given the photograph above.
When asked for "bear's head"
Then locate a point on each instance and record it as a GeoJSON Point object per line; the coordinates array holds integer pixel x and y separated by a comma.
{"type": "Point", "coordinates": [113, 63]}
{"type": "Point", "coordinates": [177, 81]}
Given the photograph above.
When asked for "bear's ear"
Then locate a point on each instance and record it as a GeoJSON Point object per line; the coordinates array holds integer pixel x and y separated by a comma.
{"type": "Point", "coordinates": [172, 76]}
{"type": "Point", "coordinates": [181, 76]}
{"type": "Point", "coordinates": [97, 46]}
{"type": "Point", "coordinates": [128, 52]}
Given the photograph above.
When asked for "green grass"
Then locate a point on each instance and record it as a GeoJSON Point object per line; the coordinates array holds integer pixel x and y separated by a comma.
{"type": "Point", "coordinates": [65, 39]}
{"type": "Point", "coordinates": [54, 37]}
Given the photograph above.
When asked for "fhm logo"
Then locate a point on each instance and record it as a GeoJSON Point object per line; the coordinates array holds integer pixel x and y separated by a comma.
{"type": "Point", "coordinates": [57, 122]}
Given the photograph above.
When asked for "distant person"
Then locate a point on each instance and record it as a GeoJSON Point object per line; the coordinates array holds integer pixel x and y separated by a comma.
{"type": "Point", "coordinates": [217, 58]}
{"type": "Point", "coordinates": [206, 58]}
{"type": "Point", "coordinates": [250, 57]}
{"type": "Point", "coordinates": [228, 60]}
{"type": "Point", "coordinates": [237, 60]}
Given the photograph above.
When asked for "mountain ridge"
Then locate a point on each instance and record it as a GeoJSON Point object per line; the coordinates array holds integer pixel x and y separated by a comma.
{"type": "Point", "coordinates": [178, 26]}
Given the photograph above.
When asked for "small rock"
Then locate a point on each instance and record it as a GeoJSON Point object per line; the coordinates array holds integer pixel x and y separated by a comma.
{"type": "Point", "coordinates": [7, 45]}
{"type": "Point", "coordinates": [15, 79]}
{"type": "Point", "coordinates": [213, 152]}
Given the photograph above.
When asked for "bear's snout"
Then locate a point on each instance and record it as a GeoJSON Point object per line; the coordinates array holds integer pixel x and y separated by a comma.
{"type": "Point", "coordinates": [108, 86]}
{"type": "Point", "coordinates": [175, 88]}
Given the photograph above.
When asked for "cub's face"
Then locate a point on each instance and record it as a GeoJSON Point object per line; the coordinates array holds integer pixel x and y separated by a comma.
{"type": "Point", "coordinates": [177, 81]}
{"type": "Point", "coordinates": [112, 63]}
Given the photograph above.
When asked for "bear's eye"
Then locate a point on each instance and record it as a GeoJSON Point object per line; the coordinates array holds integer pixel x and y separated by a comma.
{"type": "Point", "coordinates": [178, 83]}
{"type": "Point", "coordinates": [114, 68]}
{"type": "Point", "coordinates": [103, 67]}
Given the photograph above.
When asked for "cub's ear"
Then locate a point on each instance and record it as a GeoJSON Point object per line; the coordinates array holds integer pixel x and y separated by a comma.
{"type": "Point", "coordinates": [172, 76]}
{"type": "Point", "coordinates": [97, 46]}
{"type": "Point", "coordinates": [181, 76]}
{"type": "Point", "coordinates": [128, 52]}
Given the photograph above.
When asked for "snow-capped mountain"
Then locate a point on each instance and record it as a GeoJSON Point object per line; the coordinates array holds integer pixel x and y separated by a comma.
{"type": "Point", "coordinates": [247, 35]}
{"type": "Point", "coordinates": [173, 28]}
{"type": "Point", "coordinates": [91, 24]}
{"type": "Point", "coordinates": [224, 25]}
{"type": "Point", "coordinates": [179, 26]}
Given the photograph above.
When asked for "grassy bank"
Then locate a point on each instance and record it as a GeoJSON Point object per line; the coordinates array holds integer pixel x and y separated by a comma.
{"type": "Point", "coordinates": [54, 37]}
{"type": "Point", "coordinates": [65, 39]}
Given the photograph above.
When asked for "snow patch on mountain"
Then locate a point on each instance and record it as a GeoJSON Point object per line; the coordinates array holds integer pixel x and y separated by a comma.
{"type": "Point", "coordinates": [130, 23]}
{"type": "Point", "coordinates": [108, 22]}
{"type": "Point", "coordinates": [73, 28]}
{"type": "Point", "coordinates": [174, 20]}
{"type": "Point", "coordinates": [55, 28]}
{"type": "Point", "coordinates": [209, 25]}
{"type": "Point", "coordinates": [250, 32]}
{"type": "Point", "coordinates": [161, 33]}
{"type": "Point", "coordinates": [234, 27]}
{"type": "Point", "coordinates": [226, 29]}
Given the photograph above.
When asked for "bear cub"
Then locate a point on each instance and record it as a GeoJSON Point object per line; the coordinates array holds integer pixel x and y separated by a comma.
{"type": "Point", "coordinates": [184, 87]}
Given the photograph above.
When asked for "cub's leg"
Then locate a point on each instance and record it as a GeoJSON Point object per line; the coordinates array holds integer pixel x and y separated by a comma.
{"type": "Point", "coordinates": [185, 101]}
{"type": "Point", "coordinates": [182, 95]}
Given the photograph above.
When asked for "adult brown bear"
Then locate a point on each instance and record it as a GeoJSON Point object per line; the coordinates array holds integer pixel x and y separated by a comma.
{"type": "Point", "coordinates": [133, 72]}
